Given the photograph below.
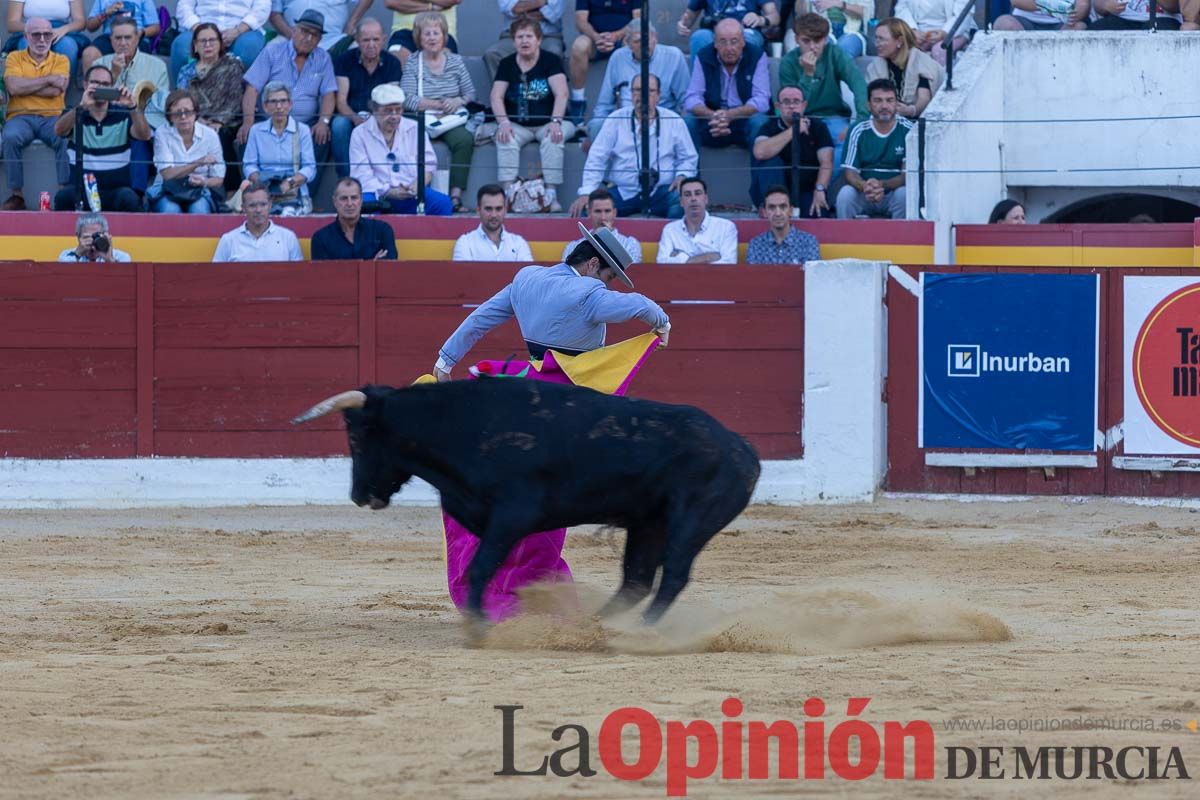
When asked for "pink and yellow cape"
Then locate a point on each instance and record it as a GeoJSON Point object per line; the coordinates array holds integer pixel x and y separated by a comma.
{"type": "Point", "coordinates": [538, 556]}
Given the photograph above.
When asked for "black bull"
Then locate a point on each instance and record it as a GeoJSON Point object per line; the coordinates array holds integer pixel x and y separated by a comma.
{"type": "Point", "coordinates": [511, 457]}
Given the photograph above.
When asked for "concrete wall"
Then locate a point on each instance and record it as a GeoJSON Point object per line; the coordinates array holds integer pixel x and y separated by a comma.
{"type": "Point", "coordinates": [1025, 78]}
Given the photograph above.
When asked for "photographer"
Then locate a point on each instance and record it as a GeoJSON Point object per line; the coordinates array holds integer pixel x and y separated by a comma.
{"type": "Point", "coordinates": [110, 120]}
{"type": "Point", "coordinates": [95, 243]}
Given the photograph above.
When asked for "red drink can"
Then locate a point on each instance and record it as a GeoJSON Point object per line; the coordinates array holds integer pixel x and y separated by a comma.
{"type": "Point", "coordinates": [44, 202]}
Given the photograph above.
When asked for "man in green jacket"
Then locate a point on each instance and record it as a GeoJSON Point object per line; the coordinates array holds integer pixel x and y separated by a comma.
{"type": "Point", "coordinates": [820, 71]}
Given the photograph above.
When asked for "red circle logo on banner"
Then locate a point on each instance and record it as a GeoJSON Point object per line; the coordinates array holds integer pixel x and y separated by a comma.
{"type": "Point", "coordinates": [1166, 365]}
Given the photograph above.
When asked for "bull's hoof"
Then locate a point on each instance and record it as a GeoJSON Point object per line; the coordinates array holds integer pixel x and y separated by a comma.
{"type": "Point", "coordinates": [477, 627]}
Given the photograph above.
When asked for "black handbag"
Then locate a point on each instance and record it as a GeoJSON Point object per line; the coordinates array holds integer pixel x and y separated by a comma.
{"type": "Point", "coordinates": [179, 191]}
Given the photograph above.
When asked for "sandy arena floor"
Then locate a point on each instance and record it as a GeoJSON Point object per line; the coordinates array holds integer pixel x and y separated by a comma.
{"type": "Point", "coordinates": [313, 652]}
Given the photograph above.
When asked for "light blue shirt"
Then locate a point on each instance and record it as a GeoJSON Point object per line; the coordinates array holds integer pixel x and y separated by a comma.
{"type": "Point", "coordinates": [272, 155]}
{"type": "Point", "coordinates": [668, 63]}
{"type": "Point", "coordinates": [144, 13]}
{"type": "Point", "coordinates": [555, 307]}
{"type": "Point", "coordinates": [277, 62]}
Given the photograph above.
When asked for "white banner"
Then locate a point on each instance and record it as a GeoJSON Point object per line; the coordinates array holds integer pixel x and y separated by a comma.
{"type": "Point", "coordinates": [1162, 348]}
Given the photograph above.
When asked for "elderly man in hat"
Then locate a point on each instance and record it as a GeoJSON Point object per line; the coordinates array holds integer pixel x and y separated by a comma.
{"type": "Point", "coordinates": [308, 69]}
{"type": "Point", "coordinates": [562, 312]}
{"type": "Point", "coordinates": [383, 157]}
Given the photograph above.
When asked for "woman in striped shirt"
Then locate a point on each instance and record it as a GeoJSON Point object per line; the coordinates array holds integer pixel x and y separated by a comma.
{"type": "Point", "coordinates": [437, 81]}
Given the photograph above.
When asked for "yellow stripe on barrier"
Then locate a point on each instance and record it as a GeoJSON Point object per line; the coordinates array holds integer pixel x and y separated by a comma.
{"type": "Point", "coordinates": [1076, 256]}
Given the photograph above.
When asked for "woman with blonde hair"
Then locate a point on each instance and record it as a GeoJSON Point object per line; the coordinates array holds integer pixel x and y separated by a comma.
{"type": "Point", "coordinates": [436, 83]}
{"type": "Point", "coordinates": [915, 73]}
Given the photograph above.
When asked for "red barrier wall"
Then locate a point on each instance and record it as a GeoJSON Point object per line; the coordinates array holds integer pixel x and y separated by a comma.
{"type": "Point", "coordinates": [907, 471]}
{"type": "Point", "coordinates": [214, 359]}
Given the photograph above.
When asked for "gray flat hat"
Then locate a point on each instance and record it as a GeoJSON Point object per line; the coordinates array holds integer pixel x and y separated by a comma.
{"type": "Point", "coordinates": [610, 250]}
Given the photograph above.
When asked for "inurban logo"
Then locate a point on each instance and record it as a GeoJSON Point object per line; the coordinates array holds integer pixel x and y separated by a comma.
{"type": "Point", "coordinates": [971, 361]}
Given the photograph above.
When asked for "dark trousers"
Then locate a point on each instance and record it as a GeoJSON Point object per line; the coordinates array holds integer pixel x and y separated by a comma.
{"type": "Point", "coordinates": [120, 199]}
{"type": "Point", "coordinates": [772, 172]}
{"type": "Point", "coordinates": [1115, 23]}
{"type": "Point", "coordinates": [742, 132]}
{"type": "Point", "coordinates": [663, 203]}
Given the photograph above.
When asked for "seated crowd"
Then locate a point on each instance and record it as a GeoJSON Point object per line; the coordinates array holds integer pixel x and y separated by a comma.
{"type": "Point", "coordinates": [233, 111]}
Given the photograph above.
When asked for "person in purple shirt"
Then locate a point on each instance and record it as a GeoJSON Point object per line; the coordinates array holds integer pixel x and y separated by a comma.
{"type": "Point", "coordinates": [307, 70]}
{"type": "Point", "coordinates": [729, 96]}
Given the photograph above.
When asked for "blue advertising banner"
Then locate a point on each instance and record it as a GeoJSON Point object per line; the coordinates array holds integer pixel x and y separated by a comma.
{"type": "Point", "coordinates": [1009, 361]}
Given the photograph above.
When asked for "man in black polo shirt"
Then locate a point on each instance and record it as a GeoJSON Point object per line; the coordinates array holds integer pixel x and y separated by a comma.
{"type": "Point", "coordinates": [107, 130]}
{"type": "Point", "coordinates": [358, 71]}
{"type": "Point", "coordinates": [771, 157]}
{"type": "Point", "coordinates": [350, 237]}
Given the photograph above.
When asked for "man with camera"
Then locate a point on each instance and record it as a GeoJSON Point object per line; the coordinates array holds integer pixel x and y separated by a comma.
{"type": "Point", "coordinates": [110, 119]}
{"type": "Point", "coordinates": [95, 243]}
{"type": "Point", "coordinates": [616, 154]}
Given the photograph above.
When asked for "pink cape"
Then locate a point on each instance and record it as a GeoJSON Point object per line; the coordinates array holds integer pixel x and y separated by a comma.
{"type": "Point", "coordinates": [538, 556]}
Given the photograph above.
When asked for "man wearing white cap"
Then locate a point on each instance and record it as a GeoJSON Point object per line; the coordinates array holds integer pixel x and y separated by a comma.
{"type": "Point", "coordinates": [564, 308]}
{"type": "Point", "coordinates": [383, 157]}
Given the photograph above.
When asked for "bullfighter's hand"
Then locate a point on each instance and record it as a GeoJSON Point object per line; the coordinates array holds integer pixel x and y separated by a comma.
{"type": "Point", "coordinates": [441, 375]}
{"type": "Point", "coordinates": [663, 334]}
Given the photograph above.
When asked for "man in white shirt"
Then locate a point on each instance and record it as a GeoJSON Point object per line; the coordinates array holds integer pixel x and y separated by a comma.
{"type": "Point", "coordinates": [95, 243]}
{"type": "Point", "coordinates": [258, 239]}
{"type": "Point", "coordinates": [601, 213]}
{"type": "Point", "coordinates": [698, 238]}
{"type": "Point", "coordinates": [617, 152]}
{"type": "Point", "coordinates": [490, 242]}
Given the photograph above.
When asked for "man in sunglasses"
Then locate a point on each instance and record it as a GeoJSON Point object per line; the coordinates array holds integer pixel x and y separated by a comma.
{"type": "Point", "coordinates": [107, 130]}
{"type": "Point", "coordinates": [36, 80]}
{"type": "Point", "coordinates": [383, 157]}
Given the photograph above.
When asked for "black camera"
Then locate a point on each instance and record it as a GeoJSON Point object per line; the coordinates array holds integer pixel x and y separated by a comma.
{"type": "Point", "coordinates": [101, 243]}
{"type": "Point", "coordinates": [106, 93]}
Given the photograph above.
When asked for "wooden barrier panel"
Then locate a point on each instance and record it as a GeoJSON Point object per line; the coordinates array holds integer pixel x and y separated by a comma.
{"type": "Point", "coordinates": [1025, 246]}
{"type": "Point", "coordinates": [213, 360]}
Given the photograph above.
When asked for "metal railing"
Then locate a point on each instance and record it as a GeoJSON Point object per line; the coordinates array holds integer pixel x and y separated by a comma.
{"type": "Point", "coordinates": [948, 42]}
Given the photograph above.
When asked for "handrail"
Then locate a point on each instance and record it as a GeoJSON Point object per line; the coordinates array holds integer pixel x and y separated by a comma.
{"type": "Point", "coordinates": [948, 42]}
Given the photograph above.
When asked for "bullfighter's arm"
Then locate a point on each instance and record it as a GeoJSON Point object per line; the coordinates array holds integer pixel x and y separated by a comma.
{"type": "Point", "coordinates": [604, 305]}
{"type": "Point", "coordinates": [497, 310]}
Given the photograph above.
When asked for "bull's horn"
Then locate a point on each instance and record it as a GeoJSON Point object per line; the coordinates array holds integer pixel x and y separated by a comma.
{"type": "Point", "coordinates": [354, 399]}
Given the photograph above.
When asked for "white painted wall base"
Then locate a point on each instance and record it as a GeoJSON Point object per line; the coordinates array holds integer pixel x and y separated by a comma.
{"type": "Point", "coordinates": [843, 429]}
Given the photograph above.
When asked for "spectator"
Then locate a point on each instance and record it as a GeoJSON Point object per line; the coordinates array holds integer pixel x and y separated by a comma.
{"type": "Point", "coordinates": [528, 99]}
{"type": "Point", "coordinates": [258, 239]}
{"type": "Point", "coordinates": [601, 25]}
{"type": "Point", "coordinates": [36, 80]}
{"type": "Point", "coordinates": [437, 82]}
{"type": "Point", "coordinates": [820, 71]}
{"type": "Point", "coordinates": [239, 21]}
{"type": "Point", "coordinates": [846, 22]}
{"type": "Point", "coordinates": [94, 242]}
{"type": "Point", "coordinates": [215, 80]}
{"type": "Point", "coordinates": [383, 157]}
{"type": "Point", "coordinates": [548, 15]}
{"type": "Point", "coordinates": [771, 158]}
{"type": "Point", "coordinates": [402, 42]}
{"type": "Point", "coordinates": [752, 16]}
{"type": "Point", "coordinates": [667, 63]}
{"type": "Point", "coordinates": [490, 241]}
{"type": "Point", "coordinates": [341, 20]}
{"type": "Point", "coordinates": [617, 152]}
{"type": "Point", "coordinates": [1189, 15]}
{"type": "Point", "coordinates": [874, 166]}
{"type": "Point", "coordinates": [144, 14]}
{"type": "Point", "coordinates": [279, 154]}
{"type": "Point", "coordinates": [602, 213]}
{"type": "Point", "coordinates": [188, 158]}
{"type": "Point", "coordinates": [129, 68]}
{"type": "Point", "coordinates": [358, 72]}
{"type": "Point", "coordinates": [300, 64]}
{"type": "Point", "coordinates": [66, 21]}
{"type": "Point", "coordinates": [931, 21]}
{"type": "Point", "coordinates": [1118, 15]}
{"type": "Point", "coordinates": [781, 243]}
{"type": "Point", "coordinates": [108, 129]}
{"type": "Point", "coordinates": [352, 236]}
{"type": "Point", "coordinates": [916, 74]}
{"type": "Point", "coordinates": [1028, 15]}
{"type": "Point", "coordinates": [730, 91]}
{"type": "Point", "coordinates": [698, 238]}
{"type": "Point", "coordinates": [1007, 212]}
